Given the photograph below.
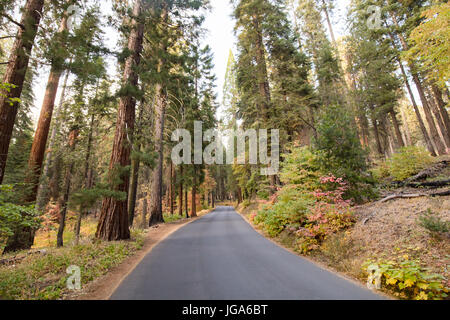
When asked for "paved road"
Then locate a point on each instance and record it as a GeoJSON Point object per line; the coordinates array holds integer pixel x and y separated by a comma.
{"type": "Point", "coordinates": [220, 257]}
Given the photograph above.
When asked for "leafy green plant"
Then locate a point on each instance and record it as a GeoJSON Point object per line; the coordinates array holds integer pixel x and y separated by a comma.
{"type": "Point", "coordinates": [311, 216]}
{"type": "Point", "coordinates": [300, 167]}
{"type": "Point", "coordinates": [43, 276]}
{"type": "Point", "coordinates": [339, 152]}
{"type": "Point", "coordinates": [380, 170]}
{"type": "Point", "coordinates": [407, 162]}
{"type": "Point", "coordinates": [434, 224]}
{"type": "Point", "coordinates": [13, 216]}
{"type": "Point", "coordinates": [288, 212]}
{"type": "Point", "coordinates": [408, 279]}
{"type": "Point", "coordinates": [7, 87]}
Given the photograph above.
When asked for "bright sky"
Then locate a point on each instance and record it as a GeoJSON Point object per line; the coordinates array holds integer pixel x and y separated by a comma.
{"type": "Point", "coordinates": [220, 38]}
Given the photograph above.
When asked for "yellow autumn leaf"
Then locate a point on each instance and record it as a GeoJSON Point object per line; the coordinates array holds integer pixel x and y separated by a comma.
{"type": "Point", "coordinates": [422, 296]}
{"type": "Point", "coordinates": [405, 256]}
{"type": "Point", "coordinates": [422, 285]}
{"type": "Point", "coordinates": [391, 281]}
{"type": "Point", "coordinates": [409, 283]}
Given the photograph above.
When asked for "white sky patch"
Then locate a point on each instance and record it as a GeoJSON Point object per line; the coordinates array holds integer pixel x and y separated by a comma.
{"type": "Point", "coordinates": [221, 39]}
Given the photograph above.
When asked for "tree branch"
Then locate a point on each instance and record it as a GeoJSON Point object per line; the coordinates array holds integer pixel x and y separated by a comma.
{"type": "Point", "coordinates": [10, 19]}
{"type": "Point", "coordinates": [7, 37]}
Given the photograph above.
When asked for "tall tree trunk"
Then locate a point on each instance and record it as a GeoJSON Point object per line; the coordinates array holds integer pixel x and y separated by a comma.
{"type": "Point", "coordinates": [135, 165]}
{"type": "Point", "coordinates": [440, 148]}
{"type": "Point", "coordinates": [87, 180]}
{"type": "Point", "coordinates": [406, 127]}
{"type": "Point", "coordinates": [194, 195]}
{"type": "Point", "coordinates": [40, 137]}
{"type": "Point", "coordinates": [41, 195]}
{"type": "Point", "coordinates": [186, 211]}
{"type": "Point", "coordinates": [156, 214]}
{"type": "Point", "coordinates": [113, 222]}
{"type": "Point", "coordinates": [180, 196]}
{"type": "Point", "coordinates": [396, 125]}
{"type": "Point", "coordinates": [15, 75]}
{"type": "Point", "coordinates": [263, 82]}
{"type": "Point", "coordinates": [132, 194]}
{"type": "Point", "coordinates": [428, 115]}
{"type": "Point", "coordinates": [439, 120]}
{"type": "Point", "coordinates": [330, 26]}
{"type": "Point", "coordinates": [425, 134]}
{"type": "Point", "coordinates": [73, 137]}
{"type": "Point", "coordinates": [442, 107]}
{"type": "Point", "coordinates": [377, 137]}
{"type": "Point", "coordinates": [171, 188]}
{"type": "Point", "coordinates": [144, 213]}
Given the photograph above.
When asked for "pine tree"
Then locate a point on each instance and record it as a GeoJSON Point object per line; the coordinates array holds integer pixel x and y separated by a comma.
{"type": "Point", "coordinates": [113, 222]}
{"type": "Point", "coordinates": [15, 74]}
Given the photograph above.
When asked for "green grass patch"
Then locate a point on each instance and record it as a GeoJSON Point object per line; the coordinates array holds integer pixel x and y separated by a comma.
{"type": "Point", "coordinates": [43, 276]}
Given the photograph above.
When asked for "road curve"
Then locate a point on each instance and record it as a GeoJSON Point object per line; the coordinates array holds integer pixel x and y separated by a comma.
{"type": "Point", "coordinates": [221, 257]}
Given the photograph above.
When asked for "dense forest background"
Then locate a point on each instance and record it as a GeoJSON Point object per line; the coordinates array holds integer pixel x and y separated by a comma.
{"type": "Point", "coordinates": [353, 110]}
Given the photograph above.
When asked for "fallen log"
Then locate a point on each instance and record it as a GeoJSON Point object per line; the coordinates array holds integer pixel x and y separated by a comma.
{"type": "Point", "coordinates": [415, 195]}
{"type": "Point", "coordinates": [407, 196]}
{"type": "Point", "coordinates": [429, 172]}
{"type": "Point", "coordinates": [396, 196]}
{"type": "Point", "coordinates": [435, 184]}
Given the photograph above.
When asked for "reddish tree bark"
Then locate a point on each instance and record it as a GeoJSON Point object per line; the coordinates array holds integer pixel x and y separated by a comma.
{"type": "Point", "coordinates": [440, 147]}
{"type": "Point", "coordinates": [186, 211]}
{"type": "Point", "coordinates": [15, 74]}
{"type": "Point", "coordinates": [194, 196]}
{"type": "Point", "coordinates": [73, 137]}
{"type": "Point", "coordinates": [113, 221]}
{"type": "Point", "coordinates": [180, 196]}
{"type": "Point", "coordinates": [156, 215]}
{"type": "Point", "coordinates": [442, 107]}
{"type": "Point", "coordinates": [42, 194]}
{"type": "Point", "coordinates": [41, 135]}
{"type": "Point", "coordinates": [396, 125]}
{"type": "Point", "coordinates": [172, 178]}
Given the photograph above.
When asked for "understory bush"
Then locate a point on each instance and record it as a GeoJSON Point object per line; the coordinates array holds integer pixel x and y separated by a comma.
{"type": "Point", "coordinates": [407, 279]}
{"type": "Point", "coordinates": [408, 161]}
{"type": "Point", "coordinates": [435, 226]}
{"type": "Point", "coordinates": [338, 151]}
{"type": "Point", "coordinates": [13, 216]}
{"type": "Point", "coordinates": [43, 276]}
{"type": "Point", "coordinates": [311, 216]}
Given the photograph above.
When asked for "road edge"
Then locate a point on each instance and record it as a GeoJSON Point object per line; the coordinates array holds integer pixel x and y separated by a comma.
{"type": "Point", "coordinates": [315, 262]}
{"type": "Point", "coordinates": [105, 286]}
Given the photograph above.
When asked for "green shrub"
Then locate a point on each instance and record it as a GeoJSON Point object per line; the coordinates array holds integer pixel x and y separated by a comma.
{"type": "Point", "coordinates": [408, 161]}
{"type": "Point", "coordinates": [13, 216]}
{"type": "Point", "coordinates": [43, 276]}
{"type": "Point", "coordinates": [380, 170]}
{"type": "Point", "coordinates": [407, 279]}
{"type": "Point", "coordinates": [434, 224]}
{"type": "Point", "coordinates": [338, 151]}
{"type": "Point", "coordinates": [300, 167]}
{"type": "Point", "coordinates": [288, 212]}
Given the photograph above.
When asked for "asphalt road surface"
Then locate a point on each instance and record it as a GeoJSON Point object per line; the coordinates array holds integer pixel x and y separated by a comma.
{"type": "Point", "coordinates": [221, 257]}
